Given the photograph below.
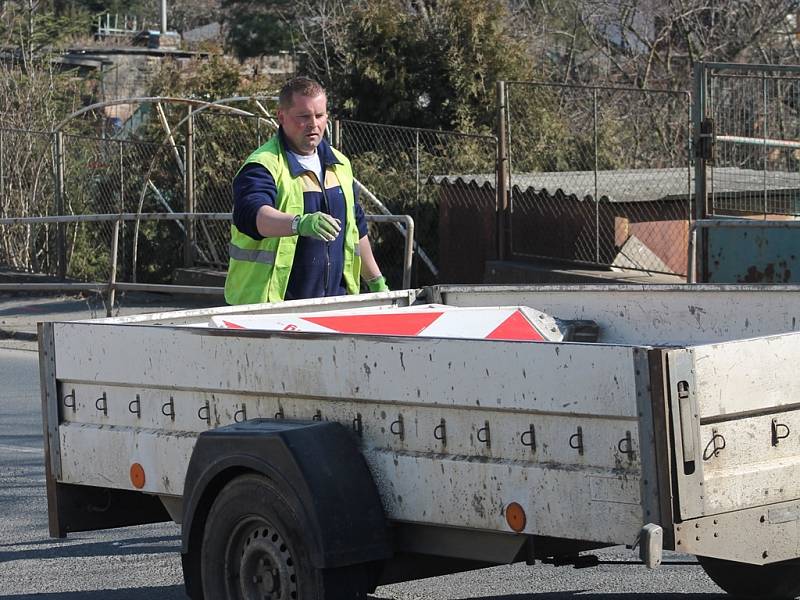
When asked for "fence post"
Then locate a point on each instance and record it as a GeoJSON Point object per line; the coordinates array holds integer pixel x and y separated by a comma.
{"type": "Point", "coordinates": [596, 161]}
{"type": "Point", "coordinates": [112, 281]}
{"type": "Point", "coordinates": [697, 240]}
{"type": "Point", "coordinates": [188, 247]}
{"type": "Point", "coordinates": [61, 228]}
{"type": "Point", "coordinates": [501, 204]}
{"type": "Point", "coordinates": [765, 94]}
{"type": "Point", "coordinates": [2, 164]}
{"type": "Point", "coordinates": [336, 134]}
{"type": "Point", "coordinates": [122, 195]}
{"type": "Point", "coordinates": [416, 192]}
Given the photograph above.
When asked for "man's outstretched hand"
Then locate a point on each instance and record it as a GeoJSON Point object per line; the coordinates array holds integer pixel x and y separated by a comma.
{"type": "Point", "coordinates": [320, 226]}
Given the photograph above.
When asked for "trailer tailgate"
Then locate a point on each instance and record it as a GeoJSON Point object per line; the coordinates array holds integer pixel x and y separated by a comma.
{"type": "Point", "coordinates": [735, 410]}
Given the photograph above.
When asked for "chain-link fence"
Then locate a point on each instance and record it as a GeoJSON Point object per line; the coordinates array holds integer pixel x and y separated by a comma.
{"type": "Point", "coordinates": [47, 174]}
{"type": "Point", "coordinates": [429, 175]}
{"type": "Point", "coordinates": [26, 188]}
{"type": "Point", "coordinates": [108, 176]}
{"type": "Point", "coordinates": [59, 174]}
{"type": "Point", "coordinates": [756, 122]}
{"type": "Point", "coordinates": [599, 175]}
{"type": "Point", "coordinates": [222, 142]}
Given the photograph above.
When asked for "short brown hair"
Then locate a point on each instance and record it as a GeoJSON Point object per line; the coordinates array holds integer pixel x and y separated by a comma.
{"type": "Point", "coordinates": [305, 86]}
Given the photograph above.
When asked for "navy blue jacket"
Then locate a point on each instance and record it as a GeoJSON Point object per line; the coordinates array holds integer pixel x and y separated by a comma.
{"type": "Point", "coordinates": [318, 266]}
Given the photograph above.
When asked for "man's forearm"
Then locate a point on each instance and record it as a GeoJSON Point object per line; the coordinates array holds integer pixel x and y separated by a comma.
{"type": "Point", "coordinates": [369, 266]}
{"type": "Point", "coordinates": [271, 222]}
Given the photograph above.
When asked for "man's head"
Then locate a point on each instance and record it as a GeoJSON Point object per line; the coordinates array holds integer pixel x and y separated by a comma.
{"type": "Point", "coordinates": [303, 114]}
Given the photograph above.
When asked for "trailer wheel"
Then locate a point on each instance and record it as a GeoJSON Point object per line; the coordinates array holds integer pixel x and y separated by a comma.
{"type": "Point", "coordinates": [254, 547]}
{"type": "Point", "coordinates": [742, 580]}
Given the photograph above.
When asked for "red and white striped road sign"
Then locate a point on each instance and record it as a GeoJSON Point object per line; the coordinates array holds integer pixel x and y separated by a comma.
{"type": "Point", "coordinates": [434, 320]}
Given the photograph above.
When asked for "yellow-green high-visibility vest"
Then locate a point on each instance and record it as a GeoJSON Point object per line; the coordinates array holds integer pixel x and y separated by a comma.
{"type": "Point", "coordinates": [258, 270]}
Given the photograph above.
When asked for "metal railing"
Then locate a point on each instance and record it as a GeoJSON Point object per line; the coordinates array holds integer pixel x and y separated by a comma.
{"type": "Point", "coordinates": [189, 170]}
{"type": "Point", "coordinates": [113, 285]}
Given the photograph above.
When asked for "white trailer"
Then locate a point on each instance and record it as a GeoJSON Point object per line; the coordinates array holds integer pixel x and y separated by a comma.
{"type": "Point", "coordinates": [318, 465]}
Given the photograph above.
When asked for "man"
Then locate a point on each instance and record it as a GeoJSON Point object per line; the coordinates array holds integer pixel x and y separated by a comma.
{"type": "Point", "coordinates": [297, 229]}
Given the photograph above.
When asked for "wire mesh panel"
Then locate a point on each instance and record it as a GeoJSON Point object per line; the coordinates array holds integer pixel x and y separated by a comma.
{"type": "Point", "coordinates": [756, 118]}
{"type": "Point", "coordinates": [437, 178]}
{"type": "Point", "coordinates": [222, 142]}
{"type": "Point", "coordinates": [26, 189]}
{"type": "Point", "coordinates": [108, 176]}
{"type": "Point", "coordinates": [599, 175]}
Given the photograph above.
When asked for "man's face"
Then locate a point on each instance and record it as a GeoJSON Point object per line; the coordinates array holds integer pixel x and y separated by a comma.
{"type": "Point", "coordinates": [304, 122]}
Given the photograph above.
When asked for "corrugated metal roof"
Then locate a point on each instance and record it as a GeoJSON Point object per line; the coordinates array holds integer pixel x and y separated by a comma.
{"type": "Point", "coordinates": [639, 185]}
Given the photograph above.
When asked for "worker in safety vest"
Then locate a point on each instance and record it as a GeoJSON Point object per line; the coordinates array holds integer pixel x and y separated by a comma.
{"type": "Point", "coordinates": [297, 229]}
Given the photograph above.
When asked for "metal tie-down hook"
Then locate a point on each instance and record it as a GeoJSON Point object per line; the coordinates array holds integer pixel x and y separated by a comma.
{"type": "Point", "coordinates": [168, 408]}
{"type": "Point", "coordinates": [528, 438]}
{"type": "Point", "coordinates": [715, 445]}
{"type": "Point", "coordinates": [576, 440]}
{"type": "Point", "coordinates": [204, 413]}
{"type": "Point", "coordinates": [70, 396]}
{"type": "Point", "coordinates": [627, 441]}
{"type": "Point", "coordinates": [135, 406]}
{"type": "Point", "coordinates": [484, 435]}
{"type": "Point", "coordinates": [397, 428]}
{"type": "Point", "coordinates": [101, 404]}
{"type": "Point", "coordinates": [358, 425]}
{"type": "Point", "coordinates": [777, 430]}
{"type": "Point", "coordinates": [440, 432]}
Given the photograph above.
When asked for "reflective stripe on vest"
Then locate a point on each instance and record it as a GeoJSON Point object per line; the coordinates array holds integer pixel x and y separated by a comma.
{"type": "Point", "coordinates": [266, 257]}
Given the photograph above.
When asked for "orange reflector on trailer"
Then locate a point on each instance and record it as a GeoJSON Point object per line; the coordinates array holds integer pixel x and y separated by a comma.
{"type": "Point", "coordinates": [515, 516]}
{"type": "Point", "coordinates": [137, 476]}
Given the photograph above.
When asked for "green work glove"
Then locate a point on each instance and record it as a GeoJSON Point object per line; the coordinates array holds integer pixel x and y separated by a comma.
{"type": "Point", "coordinates": [319, 226]}
{"type": "Point", "coordinates": [378, 284]}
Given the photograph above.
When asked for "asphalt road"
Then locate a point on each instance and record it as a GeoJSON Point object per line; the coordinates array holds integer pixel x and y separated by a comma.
{"type": "Point", "coordinates": [143, 562]}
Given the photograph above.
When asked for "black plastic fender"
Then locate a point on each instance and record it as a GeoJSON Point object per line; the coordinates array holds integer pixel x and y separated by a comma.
{"type": "Point", "coordinates": [318, 464]}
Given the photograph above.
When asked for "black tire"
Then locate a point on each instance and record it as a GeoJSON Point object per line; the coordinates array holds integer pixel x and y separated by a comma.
{"type": "Point", "coordinates": [254, 547]}
{"type": "Point", "coordinates": [741, 580]}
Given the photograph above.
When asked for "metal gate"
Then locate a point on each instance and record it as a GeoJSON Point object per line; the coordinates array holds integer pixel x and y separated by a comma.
{"type": "Point", "coordinates": [599, 175]}
{"type": "Point", "coordinates": [747, 170]}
